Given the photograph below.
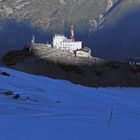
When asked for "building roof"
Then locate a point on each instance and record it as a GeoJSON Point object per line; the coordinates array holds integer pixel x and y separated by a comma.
{"type": "Point", "coordinates": [59, 35]}
{"type": "Point", "coordinates": [135, 59]}
{"type": "Point", "coordinates": [85, 49]}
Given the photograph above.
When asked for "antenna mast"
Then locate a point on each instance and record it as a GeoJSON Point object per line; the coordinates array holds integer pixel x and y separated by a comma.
{"type": "Point", "coordinates": [72, 33]}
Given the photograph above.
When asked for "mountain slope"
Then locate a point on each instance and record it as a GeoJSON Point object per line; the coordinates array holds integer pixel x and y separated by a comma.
{"type": "Point", "coordinates": [22, 18]}
{"type": "Point", "coordinates": [54, 109]}
{"type": "Point", "coordinates": [50, 13]}
{"type": "Point", "coordinates": [98, 23]}
{"type": "Point", "coordinates": [120, 37]}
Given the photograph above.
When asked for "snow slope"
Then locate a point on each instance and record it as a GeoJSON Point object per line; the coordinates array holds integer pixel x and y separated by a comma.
{"type": "Point", "coordinates": [57, 109]}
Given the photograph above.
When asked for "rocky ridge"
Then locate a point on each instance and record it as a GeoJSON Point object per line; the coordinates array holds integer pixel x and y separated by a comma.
{"type": "Point", "coordinates": [92, 72]}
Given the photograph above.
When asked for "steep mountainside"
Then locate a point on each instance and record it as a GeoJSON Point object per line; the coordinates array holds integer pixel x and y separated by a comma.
{"type": "Point", "coordinates": [94, 21]}
{"type": "Point", "coordinates": [120, 37]}
{"type": "Point", "coordinates": [22, 18]}
{"type": "Point", "coordinates": [52, 13]}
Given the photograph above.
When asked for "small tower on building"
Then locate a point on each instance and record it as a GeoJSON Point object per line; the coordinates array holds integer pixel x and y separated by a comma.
{"type": "Point", "coordinates": [33, 40]}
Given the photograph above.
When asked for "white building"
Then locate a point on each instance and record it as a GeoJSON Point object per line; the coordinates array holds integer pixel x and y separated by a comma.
{"type": "Point", "coordinates": [63, 43]}
{"type": "Point", "coordinates": [83, 52]}
{"type": "Point", "coordinates": [134, 61]}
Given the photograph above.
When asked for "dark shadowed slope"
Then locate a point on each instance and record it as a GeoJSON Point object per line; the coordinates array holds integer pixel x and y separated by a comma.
{"type": "Point", "coordinates": [14, 35]}
{"type": "Point", "coordinates": [120, 40]}
{"type": "Point", "coordinates": [116, 4]}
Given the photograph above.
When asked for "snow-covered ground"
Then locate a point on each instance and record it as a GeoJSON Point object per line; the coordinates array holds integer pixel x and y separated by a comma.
{"type": "Point", "coordinates": [59, 110]}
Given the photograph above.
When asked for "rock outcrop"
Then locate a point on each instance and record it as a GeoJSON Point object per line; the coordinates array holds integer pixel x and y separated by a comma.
{"type": "Point", "coordinates": [92, 72]}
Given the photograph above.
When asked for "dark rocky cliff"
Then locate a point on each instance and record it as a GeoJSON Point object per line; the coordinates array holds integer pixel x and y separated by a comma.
{"type": "Point", "coordinates": [92, 72]}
